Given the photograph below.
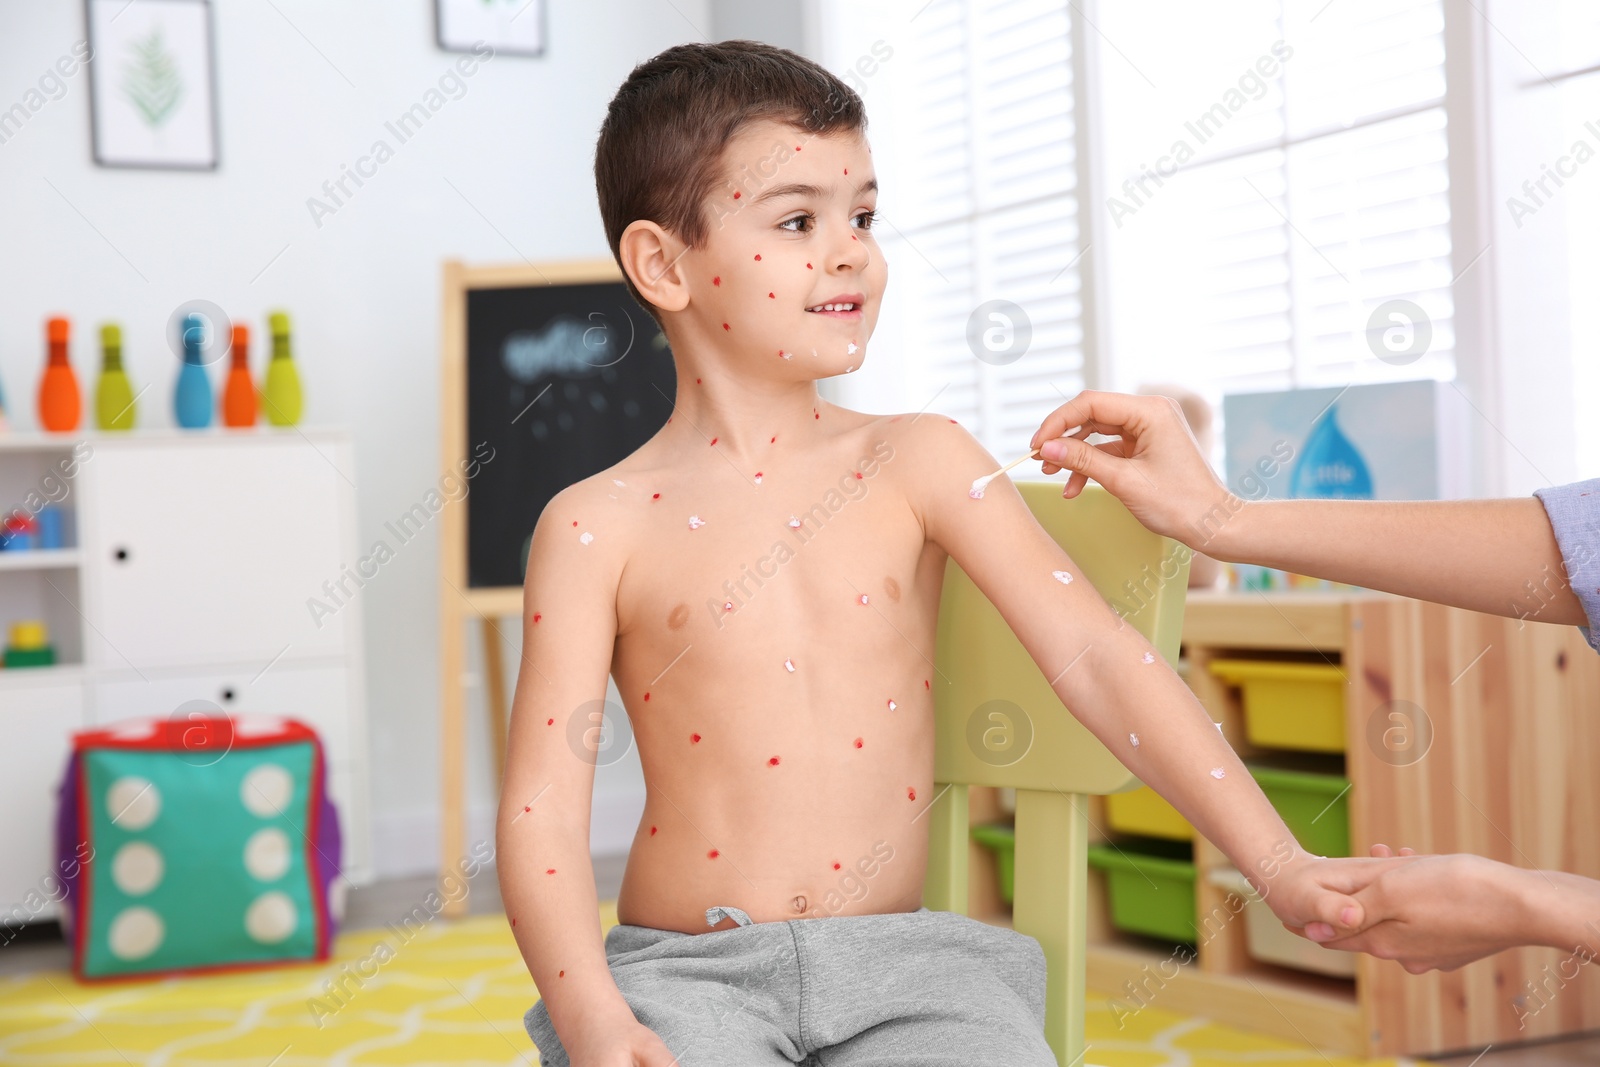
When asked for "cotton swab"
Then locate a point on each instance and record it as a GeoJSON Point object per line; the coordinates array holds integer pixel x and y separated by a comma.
{"type": "Point", "coordinates": [980, 484]}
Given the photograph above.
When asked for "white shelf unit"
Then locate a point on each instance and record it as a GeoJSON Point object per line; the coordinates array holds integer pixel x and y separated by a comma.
{"type": "Point", "coordinates": [191, 561]}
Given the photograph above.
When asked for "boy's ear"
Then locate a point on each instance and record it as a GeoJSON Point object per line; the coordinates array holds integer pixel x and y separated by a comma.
{"type": "Point", "coordinates": [651, 255]}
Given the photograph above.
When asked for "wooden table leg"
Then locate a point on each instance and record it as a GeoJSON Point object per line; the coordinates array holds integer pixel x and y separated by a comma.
{"type": "Point", "coordinates": [494, 671]}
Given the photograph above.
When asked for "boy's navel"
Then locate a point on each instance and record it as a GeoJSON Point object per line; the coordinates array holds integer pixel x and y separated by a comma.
{"type": "Point", "coordinates": [678, 617]}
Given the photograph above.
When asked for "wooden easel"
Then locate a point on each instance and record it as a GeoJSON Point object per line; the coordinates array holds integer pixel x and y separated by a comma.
{"type": "Point", "coordinates": [457, 602]}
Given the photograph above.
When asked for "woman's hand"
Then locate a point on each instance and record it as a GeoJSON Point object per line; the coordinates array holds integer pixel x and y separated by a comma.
{"type": "Point", "coordinates": [1155, 467]}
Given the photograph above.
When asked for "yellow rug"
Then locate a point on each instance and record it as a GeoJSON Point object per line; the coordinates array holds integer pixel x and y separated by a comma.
{"type": "Point", "coordinates": [453, 994]}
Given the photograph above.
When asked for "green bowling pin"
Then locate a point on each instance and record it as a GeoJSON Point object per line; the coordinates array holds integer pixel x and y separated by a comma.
{"type": "Point", "coordinates": [280, 395]}
{"type": "Point", "coordinates": [113, 395]}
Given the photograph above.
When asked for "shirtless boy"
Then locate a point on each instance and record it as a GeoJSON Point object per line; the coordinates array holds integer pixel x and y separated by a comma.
{"type": "Point", "coordinates": [761, 579]}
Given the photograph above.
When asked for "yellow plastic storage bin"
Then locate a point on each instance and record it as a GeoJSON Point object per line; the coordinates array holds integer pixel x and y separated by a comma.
{"type": "Point", "coordinates": [1143, 811]}
{"type": "Point", "coordinates": [1289, 705]}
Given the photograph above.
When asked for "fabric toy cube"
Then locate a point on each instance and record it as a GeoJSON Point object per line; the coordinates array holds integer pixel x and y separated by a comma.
{"type": "Point", "coordinates": [198, 844]}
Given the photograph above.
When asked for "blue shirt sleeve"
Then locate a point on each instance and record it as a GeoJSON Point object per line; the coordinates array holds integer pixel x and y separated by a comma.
{"type": "Point", "coordinates": [1574, 512]}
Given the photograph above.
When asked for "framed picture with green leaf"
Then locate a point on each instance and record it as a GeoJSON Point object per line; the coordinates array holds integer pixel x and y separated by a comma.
{"type": "Point", "coordinates": [152, 99]}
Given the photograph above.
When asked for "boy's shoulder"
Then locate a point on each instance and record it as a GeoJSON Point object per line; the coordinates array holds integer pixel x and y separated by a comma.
{"type": "Point", "coordinates": [931, 446]}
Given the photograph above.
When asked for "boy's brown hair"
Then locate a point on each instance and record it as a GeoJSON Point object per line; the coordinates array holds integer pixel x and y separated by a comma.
{"type": "Point", "coordinates": [660, 147]}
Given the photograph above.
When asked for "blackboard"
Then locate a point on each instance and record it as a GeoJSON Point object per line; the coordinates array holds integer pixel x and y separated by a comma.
{"type": "Point", "coordinates": [562, 379]}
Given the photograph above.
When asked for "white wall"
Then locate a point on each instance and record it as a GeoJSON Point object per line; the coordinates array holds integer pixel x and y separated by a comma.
{"type": "Point", "coordinates": [303, 88]}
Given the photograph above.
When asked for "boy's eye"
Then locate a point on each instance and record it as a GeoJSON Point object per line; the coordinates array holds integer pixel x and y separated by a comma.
{"type": "Point", "coordinates": [798, 224]}
{"type": "Point", "coordinates": [865, 219]}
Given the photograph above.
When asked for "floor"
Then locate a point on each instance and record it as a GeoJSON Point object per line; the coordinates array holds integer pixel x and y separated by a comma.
{"type": "Point", "coordinates": [42, 950]}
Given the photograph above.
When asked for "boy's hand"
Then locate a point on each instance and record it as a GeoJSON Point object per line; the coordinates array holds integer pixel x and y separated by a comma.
{"type": "Point", "coordinates": [1320, 894]}
{"type": "Point", "coordinates": [614, 1041]}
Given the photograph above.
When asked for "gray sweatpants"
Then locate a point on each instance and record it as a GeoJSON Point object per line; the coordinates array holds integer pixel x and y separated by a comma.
{"type": "Point", "coordinates": [919, 989]}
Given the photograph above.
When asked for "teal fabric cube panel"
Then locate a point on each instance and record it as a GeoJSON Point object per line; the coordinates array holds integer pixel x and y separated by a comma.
{"type": "Point", "coordinates": [206, 850]}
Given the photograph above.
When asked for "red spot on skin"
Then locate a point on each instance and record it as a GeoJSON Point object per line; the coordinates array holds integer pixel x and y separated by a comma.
{"type": "Point", "coordinates": [549, 722]}
{"type": "Point", "coordinates": [772, 296]}
{"type": "Point", "coordinates": [529, 807]}
{"type": "Point", "coordinates": [561, 974]}
{"type": "Point", "coordinates": [810, 267]}
{"type": "Point", "coordinates": [514, 922]}
{"type": "Point", "coordinates": [725, 326]}
{"type": "Point", "coordinates": [925, 684]}
{"type": "Point", "coordinates": [773, 441]}
{"type": "Point", "coordinates": [758, 257]}
{"type": "Point", "coordinates": [911, 794]}
{"type": "Point", "coordinates": [952, 420]}
{"type": "Point", "coordinates": [813, 415]}
{"type": "Point", "coordinates": [759, 474]}
{"type": "Point", "coordinates": [537, 616]}
{"type": "Point", "coordinates": [713, 854]}
{"type": "Point", "coordinates": [858, 742]}
{"type": "Point", "coordinates": [655, 496]}
{"type": "Point", "coordinates": [836, 865]}
{"type": "Point", "coordinates": [550, 870]}
{"type": "Point", "coordinates": [647, 697]}
{"type": "Point", "coordinates": [652, 831]}
{"type": "Point", "coordinates": [846, 170]}
{"type": "Point", "coordinates": [858, 474]}
{"type": "Point", "coordinates": [852, 237]}
{"type": "Point", "coordinates": [773, 762]}
{"type": "Point", "coordinates": [697, 381]}
{"type": "Point", "coordinates": [797, 148]}
{"type": "Point", "coordinates": [714, 440]}
{"type": "Point", "coordinates": [694, 739]}
{"type": "Point", "coordinates": [717, 280]}
{"type": "Point", "coordinates": [574, 522]}
{"type": "Point", "coordinates": [736, 192]}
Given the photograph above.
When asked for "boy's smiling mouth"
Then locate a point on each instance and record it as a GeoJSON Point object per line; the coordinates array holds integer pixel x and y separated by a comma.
{"type": "Point", "coordinates": [843, 306]}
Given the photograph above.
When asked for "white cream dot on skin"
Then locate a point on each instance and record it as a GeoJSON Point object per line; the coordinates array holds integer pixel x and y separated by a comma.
{"type": "Point", "coordinates": [1148, 657]}
{"type": "Point", "coordinates": [850, 350]}
{"type": "Point", "coordinates": [727, 605]}
{"type": "Point", "coordinates": [758, 478]}
{"type": "Point", "coordinates": [863, 598]}
{"type": "Point", "coordinates": [788, 665]}
{"type": "Point", "coordinates": [893, 705]}
{"type": "Point", "coordinates": [1218, 772]}
{"type": "Point", "coordinates": [695, 522]}
{"type": "Point", "coordinates": [619, 483]}
{"type": "Point", "coordinates": [794, 522]}
{"type": "Point", "coordinates": [1062, 576]}
{"type": "Point", "coordinates": [1133, 739]}
{"type": "Point", "coordinates": [586, 538]}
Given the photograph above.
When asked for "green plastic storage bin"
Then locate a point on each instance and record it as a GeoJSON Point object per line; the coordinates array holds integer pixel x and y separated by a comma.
{"type": "Point", "coordinates": [1001, 839]}
{"type": "Point", "coordinates": [1314, 804]}
{"type": "Point", "coordinates": [1150, 884]}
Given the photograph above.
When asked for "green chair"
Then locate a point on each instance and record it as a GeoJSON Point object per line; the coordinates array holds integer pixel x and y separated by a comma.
{"type": "Point", "coordinates": [979, 661]}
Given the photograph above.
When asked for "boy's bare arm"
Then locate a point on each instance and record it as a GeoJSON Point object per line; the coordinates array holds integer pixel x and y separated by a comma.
{"type": "Point", "coordinates": [542, 833]}
{"type": "Point", "coordinates": [1105, 672]}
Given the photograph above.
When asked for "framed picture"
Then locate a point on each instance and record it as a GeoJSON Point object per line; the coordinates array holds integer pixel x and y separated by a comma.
{"type": "Point", "coordinates": [510, 27]}
{"type": "Point", "coordinates": [152, 100]}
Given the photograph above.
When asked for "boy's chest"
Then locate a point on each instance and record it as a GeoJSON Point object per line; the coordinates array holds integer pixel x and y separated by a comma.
{"type": "Point", "coordinates": [788, 556]}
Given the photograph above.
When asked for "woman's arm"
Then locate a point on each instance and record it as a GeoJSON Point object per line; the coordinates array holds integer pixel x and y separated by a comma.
{"type": "Point", "coordinates": [1494, 556]}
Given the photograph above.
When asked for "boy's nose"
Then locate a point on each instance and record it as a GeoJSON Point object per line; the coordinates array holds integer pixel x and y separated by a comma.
{"type": "Point", "coordinates": [851, 252]}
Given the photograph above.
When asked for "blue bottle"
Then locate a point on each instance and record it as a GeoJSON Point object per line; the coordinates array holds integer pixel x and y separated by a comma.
{"type": "Point", "coordinates": [192, 402]}
{"type": "Point", "coordinates": [1330, 467]}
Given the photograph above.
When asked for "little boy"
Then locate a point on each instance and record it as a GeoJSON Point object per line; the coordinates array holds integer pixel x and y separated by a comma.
{"type": "Point", "coordinates": [761, 579]}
